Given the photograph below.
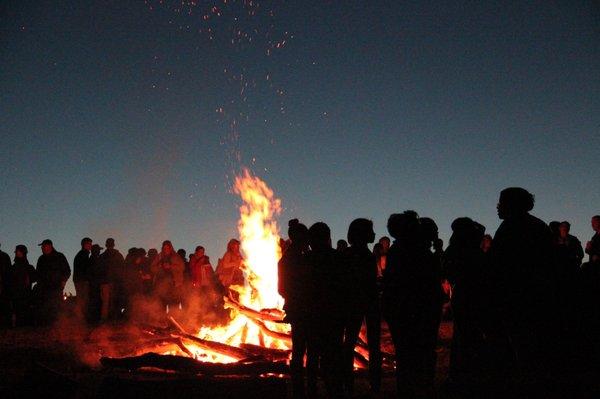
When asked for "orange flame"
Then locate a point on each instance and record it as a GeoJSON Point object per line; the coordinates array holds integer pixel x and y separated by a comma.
{"type": "Point", "coordinates": [260, 246]}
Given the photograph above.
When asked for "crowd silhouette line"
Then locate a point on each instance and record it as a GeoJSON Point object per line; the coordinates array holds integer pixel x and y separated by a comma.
{"type": "Point", "coordinates": [524, 304]}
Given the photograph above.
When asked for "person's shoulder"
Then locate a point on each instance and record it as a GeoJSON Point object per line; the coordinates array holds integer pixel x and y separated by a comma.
{"type": "Point", "coordinates": [574, 239]}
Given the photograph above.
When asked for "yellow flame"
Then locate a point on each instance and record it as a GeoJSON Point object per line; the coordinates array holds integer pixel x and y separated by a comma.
{"type": "Point", "coordinates": [260, 241]}
{"type": "Point", "coordinates": [260, 247]}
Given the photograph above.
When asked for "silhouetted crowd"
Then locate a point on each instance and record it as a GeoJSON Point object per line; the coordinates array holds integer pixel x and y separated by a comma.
{"type": "Point", "coordinates": [524, 307]}
{"type": "Point", "coordinates": [524, 304]}
{"type": "Point", "coordinates": [111, 287]}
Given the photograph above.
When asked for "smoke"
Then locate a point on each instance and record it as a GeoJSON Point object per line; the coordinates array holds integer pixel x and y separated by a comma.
{"type": "Point", "coordinates": [129, 335]}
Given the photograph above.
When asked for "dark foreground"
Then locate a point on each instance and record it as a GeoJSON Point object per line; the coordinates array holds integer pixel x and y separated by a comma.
{"type": "Point", "coordinates": [64, 362]}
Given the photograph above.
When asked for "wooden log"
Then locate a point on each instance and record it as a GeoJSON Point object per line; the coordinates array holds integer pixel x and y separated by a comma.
{"type": "Point", "coordinates": [271, 354]}
{"type": "Point", "coordinates": [287, 338]}
{"type": "Point", "coordinates": [188, 365]}
{"type": "Point", "coordinates": [268, 315]}
{"type": "Point", "coordinates": [360, 361]}
{"type": "Point", "coordinates": [166, 341]}
{"type": "Point", "coordinates": [217, 347]}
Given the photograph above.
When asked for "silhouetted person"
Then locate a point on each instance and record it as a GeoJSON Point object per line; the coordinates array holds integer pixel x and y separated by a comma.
{"type": "Point", "coordinates": [592, 247]}
{"type": "Point", "coordinates": [295, 286]}
{"type": "Point", "coordinates": [52, 271]}
{"type": "Point", "coordinates": [133, 282]}
{"type": "Point", "coordinates": [81, 277]}
{"type": "Point", "coordinates": [568, 248]}
{"type": "Point", "coordinates": [433, 251]}
{"type": "Point", "coordinates": [97, 277]}
{"type": "Point", "coordinates": [5, 311]}
{"type": "Point", "coordinates": [22, 276]}
{"type": "Point", "coordinates": [590, 293]}
{"type": "Point", "coordinates": [525, 278]}
{"type": "Point", "coordinates": [113, 265]}
{"type": "Point", "coordinates": [147, 276]}
{"type": "Point", "coordinates": [341, 246]}
{"type": "Point", "coordinates": [328, 280]}
{"type": "Point", "coordinates": [464, 267]}
{"type": "Point", "coordinates": [412, 302]}
{"type": "Point", "coordinates": [362, 304]}
{"type": "Point", "coordinates": [229, 267]}
{"type": "Point", "coordinates": [168, 269]}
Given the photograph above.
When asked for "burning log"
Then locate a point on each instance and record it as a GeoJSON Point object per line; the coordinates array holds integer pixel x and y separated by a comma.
{"type": "Point", "coordinates": [216, 347]}
{"type": "Point", "coordinates": [273, 315]}
{"type": "Point", "coordinates": [286, 338]}
{"type": "Point", "coordinates": [360, 361]}
{"type": "Point", "coordinates": [168, 341]}
{"type": "Point", "coordinates": [188, 365]}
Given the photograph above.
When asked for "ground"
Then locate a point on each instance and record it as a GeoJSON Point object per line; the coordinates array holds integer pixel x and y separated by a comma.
{"type": "Point", "coordinates": [63, 361]}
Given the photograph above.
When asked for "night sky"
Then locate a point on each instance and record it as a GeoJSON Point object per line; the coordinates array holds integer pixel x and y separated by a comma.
{"type": "Point", "coordinates": [129, 118]}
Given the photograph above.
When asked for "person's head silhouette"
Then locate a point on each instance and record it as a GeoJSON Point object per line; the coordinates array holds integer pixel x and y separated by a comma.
{"type": "Point", "coordinates": [514, 202]}
{"type": "Point", "coordinates": [319, 236]}
{"type": "Point", "coordinates": [360, 232]}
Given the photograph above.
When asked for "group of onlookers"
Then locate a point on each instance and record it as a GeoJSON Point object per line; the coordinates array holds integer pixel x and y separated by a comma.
{"type": "Point", "coordinates": [110, 286]}
{"type": "Point", "coordinates": [523, 305]}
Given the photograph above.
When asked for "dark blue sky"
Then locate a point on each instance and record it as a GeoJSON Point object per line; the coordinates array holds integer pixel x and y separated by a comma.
{"type": "Point", "coordinates": [109, 122]}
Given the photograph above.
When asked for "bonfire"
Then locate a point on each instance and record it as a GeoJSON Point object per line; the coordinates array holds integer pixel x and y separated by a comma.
{"type": "Point", "coordinates": [255, 340]}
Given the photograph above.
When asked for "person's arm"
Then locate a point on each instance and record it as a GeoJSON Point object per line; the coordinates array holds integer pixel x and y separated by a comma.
{"type": "Point", "coordinates": [65, 270]}
{"type": "Point", "coordinates": [578, 251]}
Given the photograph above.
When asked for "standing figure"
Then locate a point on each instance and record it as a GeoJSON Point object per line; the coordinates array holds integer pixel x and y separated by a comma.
{"type": "Point", "coordinates": [295, 287]}
{"type": "Point", "coordinates": [362, 305]}
{"type": "Point", "coordinates": [81, 277]}
{"type": "Point", "coordinates": [592, 247]}
{"type": "Point", "coordinates": [52, 272]}
{"type": "Point", "coordinates": [229, 267]}
{"type": "Point", "coordinates": [328, 281]}
{"type": "Point", "coordinates": [5, 311]}
{"type": "Point", "coordinates": [526, 281]}
{"type": "Point", "coordinates": [22, 276]}
{"type": "Point", "coordinates": [168, 269]}
{"type": "Point", "coordinates": [112, 264]}
{"type": "Point", "coordinates": [411, 303]}
{"type": "Point", "coordinates": [568, 249]}
{"type": "Point", "coordinates": [97, 277]}
{"type": "Point", "coordinates": [202, 275]}
{"type": "Point", "coordinates": [464, 263]}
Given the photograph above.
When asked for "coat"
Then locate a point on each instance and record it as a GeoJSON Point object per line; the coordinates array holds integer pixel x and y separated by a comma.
{"type": "Point", "coordinates": [52, 271]}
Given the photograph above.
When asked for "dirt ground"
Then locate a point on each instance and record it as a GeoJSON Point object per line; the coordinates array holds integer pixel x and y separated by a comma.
{"type": "Point", "coordinates": [63, 361]}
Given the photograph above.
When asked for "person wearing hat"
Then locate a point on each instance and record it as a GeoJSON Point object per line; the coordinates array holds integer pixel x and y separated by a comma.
{"type": "Point", "coordinates": [4, 297]}
{"type": "Point", "coordinates": [52, 272]}
{"type": "Point", "coordinates": [81, 276]}
{"type": "Point", "coordinates": [22, 276]}
{"type": "Point", "coordinates": [113, 264]}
